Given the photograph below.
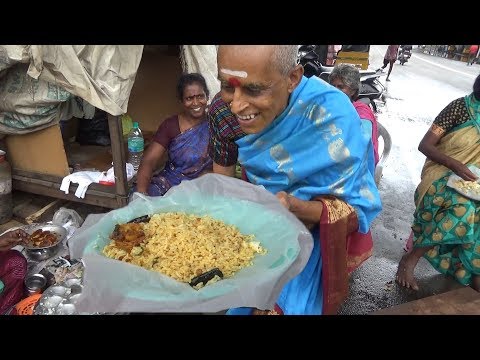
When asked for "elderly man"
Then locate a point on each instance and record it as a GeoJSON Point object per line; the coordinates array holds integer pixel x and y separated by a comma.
{"type": "Point", "coordinates": [300, 139]}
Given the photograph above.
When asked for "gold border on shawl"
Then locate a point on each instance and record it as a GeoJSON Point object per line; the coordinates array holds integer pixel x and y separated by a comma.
{"type": "Point", "coordinates": [355, 261]}
{"type": "Point", "coordinates": [337, 209]}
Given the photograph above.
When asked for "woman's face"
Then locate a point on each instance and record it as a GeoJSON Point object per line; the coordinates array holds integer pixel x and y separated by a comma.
{"type": "Point", "coordinates": [195, 100]}
{"type": "Point", "coordinates": [340, 85]}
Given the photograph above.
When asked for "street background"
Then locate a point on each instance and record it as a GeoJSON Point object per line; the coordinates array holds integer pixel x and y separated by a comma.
{"type": "Point", "coordinates": [417, 92]}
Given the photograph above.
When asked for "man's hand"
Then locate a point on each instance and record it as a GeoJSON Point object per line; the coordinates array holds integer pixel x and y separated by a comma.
{"type": "Point", "coordinates": [12, 238]}
{"type": "Point", "coordinates": [224, 170]}
{"type": "Point", "coordinates": [284, 199]}
{"type": "Point", "coordinates": [308, 212]}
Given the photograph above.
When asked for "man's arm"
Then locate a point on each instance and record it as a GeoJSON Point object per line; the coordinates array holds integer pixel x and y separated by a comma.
{"type": "Point", "coordinates": [224, 170]}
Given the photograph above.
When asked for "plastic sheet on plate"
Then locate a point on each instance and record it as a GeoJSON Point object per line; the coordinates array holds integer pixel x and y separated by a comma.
{"type": "Point", "coordinates": [462, 186]}
{"type": "Point", "coordinates": [115, 286]}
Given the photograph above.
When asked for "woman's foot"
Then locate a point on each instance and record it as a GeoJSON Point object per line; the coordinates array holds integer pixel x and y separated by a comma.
{"type": "Point", "coordinates": [405, 270]}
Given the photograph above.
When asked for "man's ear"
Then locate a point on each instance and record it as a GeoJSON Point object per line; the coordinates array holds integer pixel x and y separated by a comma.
{"type": "Point", "coordinates": [294, 77]}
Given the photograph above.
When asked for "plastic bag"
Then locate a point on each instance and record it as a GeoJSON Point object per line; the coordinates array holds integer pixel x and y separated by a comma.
{"type": "Point", "coordinates": [108, 177]}
{"type": "Point", "coordinates": [63, 215]}
{"type": "Point", "coordinates": [115, 286]}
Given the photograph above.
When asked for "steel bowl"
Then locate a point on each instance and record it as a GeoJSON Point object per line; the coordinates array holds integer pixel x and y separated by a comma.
{"type": "Point", "coordinates": [35, 283]}
{"type": "Point", "coordinates": [42, 254]}
{"type": "Point", "coordinates": [45, 252]}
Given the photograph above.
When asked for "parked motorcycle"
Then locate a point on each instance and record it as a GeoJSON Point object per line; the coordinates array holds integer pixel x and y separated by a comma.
{"type": "Point", "coordinates": [404, 54]}
{"type": "Point", "coordinates": [371, 90]}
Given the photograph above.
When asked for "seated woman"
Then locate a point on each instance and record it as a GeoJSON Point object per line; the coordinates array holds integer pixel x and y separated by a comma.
{"type": "Point", "coordinates": [184, 137]}
{"type": "Point", "coordinates": [346, 78]}
{"type": "Point", "coordinates": [13, 269]}
{"type": "Point", "coordinates": [446, 226]}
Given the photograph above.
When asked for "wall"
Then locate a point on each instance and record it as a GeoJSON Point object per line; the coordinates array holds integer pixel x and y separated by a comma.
{"type": "Point", "coordinates": [153, 97]}
{"type": "Point", "coordinates": [41, 152]}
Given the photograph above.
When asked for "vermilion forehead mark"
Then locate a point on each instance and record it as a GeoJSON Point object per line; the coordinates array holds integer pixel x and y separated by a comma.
{"type": "Point", "coordinates": [234, 82]}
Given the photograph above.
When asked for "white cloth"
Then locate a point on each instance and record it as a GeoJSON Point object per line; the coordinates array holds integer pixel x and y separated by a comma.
{"type": "Point", "coordinates": [83, 179]}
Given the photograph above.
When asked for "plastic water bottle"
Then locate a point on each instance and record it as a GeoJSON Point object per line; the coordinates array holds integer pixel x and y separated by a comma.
{"type": "Point", "coordinates": [135, 146]}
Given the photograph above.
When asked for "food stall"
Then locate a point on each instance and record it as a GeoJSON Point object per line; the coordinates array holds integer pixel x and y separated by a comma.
{"type": "Point", "coordinates": [47, 90]}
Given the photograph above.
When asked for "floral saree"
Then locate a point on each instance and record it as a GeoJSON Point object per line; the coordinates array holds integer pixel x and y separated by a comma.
{"type": "Point", "coordinates": [444, 219]}
{"type": "Point", "coordinates": [187, 159]}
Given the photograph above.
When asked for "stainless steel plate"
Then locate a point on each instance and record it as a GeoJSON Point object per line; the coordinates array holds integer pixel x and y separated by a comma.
{"type": "Point", "coordinates": [59, 231]}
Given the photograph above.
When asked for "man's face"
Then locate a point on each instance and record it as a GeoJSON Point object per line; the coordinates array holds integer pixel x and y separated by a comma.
{"type": "Point", "coordinates": [254, 88]}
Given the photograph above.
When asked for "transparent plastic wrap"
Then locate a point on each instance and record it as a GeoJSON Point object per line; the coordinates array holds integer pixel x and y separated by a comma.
{"type": "Point", "coordinates": [63, 215]}
{"type": "Point", "coordinates": [116, 286]}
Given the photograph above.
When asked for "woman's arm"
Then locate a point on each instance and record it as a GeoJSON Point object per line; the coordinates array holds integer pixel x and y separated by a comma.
{"type": "Point", "coordinates": [150, 159]}
{"type": "Point", "coordinates": [12, 238]}
{"type": "Point", "coordinates": [308, 212]}
{"type": "Point", "coordinates": [428, 148]}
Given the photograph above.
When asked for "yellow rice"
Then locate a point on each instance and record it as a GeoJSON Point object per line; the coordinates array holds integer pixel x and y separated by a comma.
{"type": "Point", "coordinates": [184, 246]}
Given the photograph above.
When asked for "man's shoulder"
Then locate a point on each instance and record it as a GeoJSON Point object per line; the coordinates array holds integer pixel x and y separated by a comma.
{"type": "Point", "coordinates": [218, 105]}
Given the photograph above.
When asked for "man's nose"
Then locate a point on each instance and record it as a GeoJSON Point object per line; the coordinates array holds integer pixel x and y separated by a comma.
{"type": "Point", "coordinates": [238, 104]}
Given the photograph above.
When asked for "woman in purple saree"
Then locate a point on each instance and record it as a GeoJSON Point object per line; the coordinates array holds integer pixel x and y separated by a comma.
{"type": "Point", "coordinates": [13, 268]}
{"type": "Point", "coordinates": [184, 137]}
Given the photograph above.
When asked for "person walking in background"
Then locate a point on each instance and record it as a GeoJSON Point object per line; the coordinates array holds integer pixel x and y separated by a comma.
{"type": "Point", "coordinates": [332, 51]}
{"type": "Point", "coordinates": [389, 58]}
{"type": "Point", "coordinates": [472, 54]}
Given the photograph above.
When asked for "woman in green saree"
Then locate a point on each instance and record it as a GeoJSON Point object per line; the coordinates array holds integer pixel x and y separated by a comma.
{"type": "Point", "coordinates": [446, 226]}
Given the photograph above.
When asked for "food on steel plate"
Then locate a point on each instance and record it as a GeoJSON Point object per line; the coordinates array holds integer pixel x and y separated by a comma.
{"type": "Point", "coordinates": [41, 238]}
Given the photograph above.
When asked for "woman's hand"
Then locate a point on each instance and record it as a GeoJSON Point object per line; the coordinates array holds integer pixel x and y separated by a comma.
{"type": "Point", "coordinates": [12, 238]}
{"type": "Point", "coordinates": [462, 170]}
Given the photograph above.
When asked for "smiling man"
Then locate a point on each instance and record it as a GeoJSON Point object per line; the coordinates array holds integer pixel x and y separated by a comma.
{"type": "Point", "coordinates": [300, 139]}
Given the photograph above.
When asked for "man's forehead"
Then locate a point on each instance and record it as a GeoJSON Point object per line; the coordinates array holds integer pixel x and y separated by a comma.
{"type": "Point", "coordinates": [236, 73]}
